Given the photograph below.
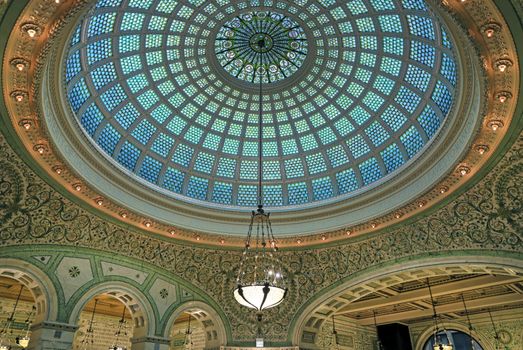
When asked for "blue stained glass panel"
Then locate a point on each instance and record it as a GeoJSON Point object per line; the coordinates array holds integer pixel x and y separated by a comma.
{"type": "Point", "coordinates": [140, 85]}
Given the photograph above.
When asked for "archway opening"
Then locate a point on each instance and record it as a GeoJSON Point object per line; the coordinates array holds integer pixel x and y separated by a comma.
{"type": "Point", "coordinates": [17, 313]}
{"type": "Point", "coordinates": [463, 296]}
{"type": "Point", "coordinates": [194, 329]}
{"type": "Point", "coordinates": [105, 323]}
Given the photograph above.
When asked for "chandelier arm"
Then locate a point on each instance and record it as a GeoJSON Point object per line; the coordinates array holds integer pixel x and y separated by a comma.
{"type": "Point", "coordinates": [244, 256]}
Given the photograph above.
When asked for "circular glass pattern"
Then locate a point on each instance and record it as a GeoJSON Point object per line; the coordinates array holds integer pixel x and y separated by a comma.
{"type": "Point", "coordinates": [261, 44]}
{"type": "Point", "coordinates": [145, 89]}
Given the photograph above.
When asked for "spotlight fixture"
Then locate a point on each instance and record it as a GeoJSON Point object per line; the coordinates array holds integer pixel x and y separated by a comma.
{"type": "Point", "coordinates": [481, 149]}
{"type": "Point", "coordinates": [26, 123]}
{"type": "Point", "coordinates": [463, 170]}
{"type": "Point", "coordinates": [503, 96]}
{"type": "Point", "coordinates": [502, 64]}
{"type": "Point", "coordinates": [495, 124]}
{"type": "Point", "coordinates": [490, 29]}
{"type": "Point", "coordinates": [19, 95]}
{"type": "Point", "coordinates": [40, 148]}
{"type": "Point", "coordinates": [19, 63]}
{"type": "Point", "coordinates": [31, 29]}
{"type": "Point", "coordinates": [57, 169]}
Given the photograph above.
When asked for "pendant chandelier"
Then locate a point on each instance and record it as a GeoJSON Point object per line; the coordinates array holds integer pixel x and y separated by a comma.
{"type": "Point", "coordinates": [187, 342]}
{"type": "Point", "coordinates": [88, 339]}
{"type": "Point", "coordinates": [260, 282]}
{"type": "Point", "coordinates": [119, 331]}
{"type": "Point", "coordinates": [438, 344]}
{"type": "Point", "coordinates": [22, 341]}
{"type": "Point", "coordinates": [472, 347]}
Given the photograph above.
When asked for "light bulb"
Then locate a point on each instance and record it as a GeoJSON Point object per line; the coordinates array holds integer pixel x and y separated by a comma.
{"type": "Point", "coordinates": [502, 67]}
{"type": "Point", "coordinates": [31, 33]}
{"type": "Point", "coordinates": [20, 66]}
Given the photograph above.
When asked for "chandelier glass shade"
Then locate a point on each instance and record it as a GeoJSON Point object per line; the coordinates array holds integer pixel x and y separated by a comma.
{"type": "Point", "coordinates": [23, 342]}
{"type": "Point", "coordinates": [260, 282]}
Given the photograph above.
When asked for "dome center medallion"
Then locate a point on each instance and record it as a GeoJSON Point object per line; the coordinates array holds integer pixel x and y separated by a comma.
{"type": "Point", "coordinates": [261, 44]}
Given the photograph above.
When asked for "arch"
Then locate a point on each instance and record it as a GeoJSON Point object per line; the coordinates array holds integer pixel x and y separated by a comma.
{"type": "Point", "coordinates": [37, 281]}
{"type": "Point", "coordinates": [309, 319]}
{"type": "Point", "coordinates": [429, 330]}
{"type": "Point", "coordinates": [216, 335]}
{"type": "Point", "coordinates": [141, 310]}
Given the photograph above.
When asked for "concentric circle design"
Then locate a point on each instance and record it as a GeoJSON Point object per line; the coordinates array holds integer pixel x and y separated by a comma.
{"type": "Point", "coordinates": [144, 83]}
{"type": "Point", "coordinates": [261, 44]}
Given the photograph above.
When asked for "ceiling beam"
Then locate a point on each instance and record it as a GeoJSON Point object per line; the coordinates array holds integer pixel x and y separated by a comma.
{"type": "Point", "coordinates": [423, 293]}
{"type": "Point", "coordinates": [444, 309]}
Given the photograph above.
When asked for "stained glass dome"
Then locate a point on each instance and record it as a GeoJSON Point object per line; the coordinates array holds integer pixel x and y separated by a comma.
{"type": "Point", "coordinates": [367, 86]}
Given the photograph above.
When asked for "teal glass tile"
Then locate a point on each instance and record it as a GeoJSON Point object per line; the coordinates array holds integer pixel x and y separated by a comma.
{"type": "Point", "coordinates": [337, 156]}
{"type": "Point", "coordinates": [222, 193]}
{"type": "Point", "coordinates": [173, 180]}
{"type": "Point", "coordinates": [91, 119]}
{"type": "Point", "coordinates": [128, 155]}
{"type": "Point", "coordinates": [162, 145]}
{"type": "Point", "coordinates": [370, 171]}
{"type": "Point", "coordinates": [226, 167]}
{"type": "Point", "coordinates": [150, 169]}
{"type": "Point", "coordinates": [322, 188]}
{"type": "Point", "coordinates": [429, 121]}
{"type": "Point", "coordinates": [412, 141]}
{"type": "Point", "coordinates": [183, 155]}
{"type": "Point", "coordinates": [197, 188]}
{"type": "Point", "coordinates": [204, 162]}
{"type": "Point", "coordinates": [392, 157]}
{"type": "Point", "coordinates": [347, 181]}
{"type": "Point", "coordinates": [108, 139]}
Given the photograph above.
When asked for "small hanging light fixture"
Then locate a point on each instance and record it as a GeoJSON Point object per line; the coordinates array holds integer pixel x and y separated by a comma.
{"type": "Point", "coordinates": [119, 331]}
{"type": "Point", "coordinates": [4, 343]}
{"type": "Point", "coordinates": [24, 341]}
{"type": "Point", "coordinates": [334, 333]}
{"type": "Point", "coordinates": [260, 282]}
{"type": "Point", "coordinates": [438, 345]}
{"type": "Point", "coordinates": [468, 320]}
{"type": "Point", "coordinates": [88, 339]}
{"type": "Point", "coordinates": [378, 341]}
{"type": "Point", "coordinates": [188, 343]}
{"type": "Point", "coordinates": [496, 334]}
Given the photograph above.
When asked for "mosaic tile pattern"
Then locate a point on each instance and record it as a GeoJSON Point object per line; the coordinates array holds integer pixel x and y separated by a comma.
{"type": "Point", "coordinates": [142, 85]}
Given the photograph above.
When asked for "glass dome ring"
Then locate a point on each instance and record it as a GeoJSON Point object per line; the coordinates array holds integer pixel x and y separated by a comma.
{"type": "Point", "coordinates": [135, 194]}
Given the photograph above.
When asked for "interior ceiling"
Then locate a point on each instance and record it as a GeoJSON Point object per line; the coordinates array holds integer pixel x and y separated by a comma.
{"type": "Point", "coordinates": [410, 302]}
{"type": "Point", "coordinates": [363, 92]}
